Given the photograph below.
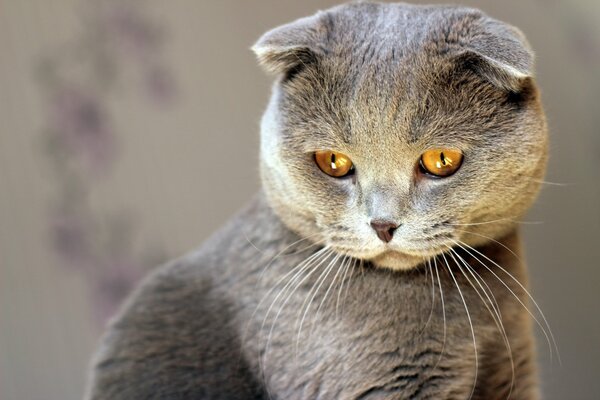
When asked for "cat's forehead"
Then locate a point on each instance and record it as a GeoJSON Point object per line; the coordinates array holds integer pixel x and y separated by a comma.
{"type": "Point", "coordinates": [383, 67]}
{"type": "Point", "coordinates": [391, 103]}
{"type": "Point", "coordinates": [369, 31]}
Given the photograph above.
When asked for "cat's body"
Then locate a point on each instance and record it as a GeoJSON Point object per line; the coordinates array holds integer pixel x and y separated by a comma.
{"type": "Point", "coordinates": [373, 337]}
{"type": "Point", "coordinates": [297, 297]}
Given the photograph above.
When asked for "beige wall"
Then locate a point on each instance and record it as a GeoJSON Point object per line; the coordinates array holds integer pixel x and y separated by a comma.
{"type": "Point", "coordinates": [181, 164]}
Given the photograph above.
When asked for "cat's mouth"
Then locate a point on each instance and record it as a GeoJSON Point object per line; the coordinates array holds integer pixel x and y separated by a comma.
{"type": "Point", "coordinates": [399, 258]}
{"type": "Point", "coordinates": [388, 258]}
{"type": "Point", "coordinates": [401, 253]}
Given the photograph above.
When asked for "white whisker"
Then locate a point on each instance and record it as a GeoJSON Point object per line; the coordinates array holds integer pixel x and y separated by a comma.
{"type": "Point", "coordinates": [493, 240]}
{"type": "Point", "coordinates": [339, 269]}
{"type": "Point", "coordinates": [294, 271]}
{"type": "Point", "coordinates": [543, 182]}
{"type": "Point", "coordinates": [252, 244]}
{"type": "Point", "coordinates": [346, 268]}
{"type": "Point", "coordinates": [312, 262]}
{"type": "Point", "coordinates": [470, 323]}
{"type": "Point", "coordinates": [517, 297]}
{"type": "Point", "coordinates": [496, 315]}
{"type": "Point", "coordinates": [496, 221]}
{"type": "Point", "coordinates": [432, 297]}
{"type": "Point", "coordinates": [437, 273]}
{"type": "Point", "coordinates": [287, 247]}
{"type": "Point", "coordinates": [352, 269]}
{"type": "Point", "coordinates": [318, 283]}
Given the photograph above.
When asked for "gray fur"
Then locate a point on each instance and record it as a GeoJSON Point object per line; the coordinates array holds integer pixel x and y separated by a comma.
{"type": "Point", "coordinates": [363, 320]}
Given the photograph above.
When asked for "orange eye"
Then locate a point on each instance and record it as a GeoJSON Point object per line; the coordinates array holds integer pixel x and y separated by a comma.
{"type": "Point", "coordinates": [333, 163]}
{"type": "Point", "coordinates": [441, 162]}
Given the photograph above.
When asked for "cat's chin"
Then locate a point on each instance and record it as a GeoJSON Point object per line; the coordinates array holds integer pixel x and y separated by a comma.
{"type": "Point", "coordinates": [396, 260]}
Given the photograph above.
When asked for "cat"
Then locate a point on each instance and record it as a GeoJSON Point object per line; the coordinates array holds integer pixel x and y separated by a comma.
{"type": "Point", "coordinates": [381, 259]}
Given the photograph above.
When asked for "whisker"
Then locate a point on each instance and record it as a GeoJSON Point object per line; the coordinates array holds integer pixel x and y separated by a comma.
{"type": "Point", "coordinates": [495, 241]}
{"type": "Point", "coordinates": [543, 182]}
{"type": "Point", "coordinates": [437, 273]}
{"type": "Point", "coordinates": [496, 316]}
{"type": "Point", "coordinates": [313, 262]}
{"type": "Point", "coordinates": [287, 247]}
{"type": "Point", "coordinates": [252, 244]}
{"type": "Point", "coordinates": [294, 271]}
{"type": "Point", "coordinates": [494, 304]}
{"type": "Point", "coordinates": [517, 297]}
{"type": "Point", "coordinates": [487, 289]}
{"type": "Point", "coordinates": [346, 268]}
{"type": "Point", "coordinates": [432, 298]}
{"type": "Point", "coordinates": [298, 270]}
{"type": "Point", "coordinates": [339, 269]}
{"type": "Point", "coordinates": [495, 221]}
{"type": "Point", "coordinates": [318, 283]}
{"type": "Point", "coordinates": [349, 279]}
{"type": "Point", "coordinates": [297, 281]}
{"type": "Point", "coordinates": [314, 268]}
{"type": "Point", "coordinates": [470, 323]}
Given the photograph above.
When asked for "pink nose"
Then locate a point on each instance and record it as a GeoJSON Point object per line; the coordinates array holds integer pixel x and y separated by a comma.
{"type": "Point", "coordinates": [384, 229]}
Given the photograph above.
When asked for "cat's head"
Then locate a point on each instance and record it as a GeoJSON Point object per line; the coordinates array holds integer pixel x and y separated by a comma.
{"type": "Point", "coordinates": [394, 131]}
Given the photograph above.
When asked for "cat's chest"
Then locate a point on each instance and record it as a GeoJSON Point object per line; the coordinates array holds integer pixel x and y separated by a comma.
{"type": "Point", "coordinates": [351, 332]}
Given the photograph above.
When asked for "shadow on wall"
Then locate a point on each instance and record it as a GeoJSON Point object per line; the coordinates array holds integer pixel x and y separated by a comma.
{"type": "Point", "coordinates": [81, 143]}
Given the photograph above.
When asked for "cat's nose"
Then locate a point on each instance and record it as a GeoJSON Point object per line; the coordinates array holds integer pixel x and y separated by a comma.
{"type": "Point", "coordinates": [384, 229]}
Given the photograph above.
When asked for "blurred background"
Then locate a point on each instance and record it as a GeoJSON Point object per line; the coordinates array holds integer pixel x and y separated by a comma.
{"type": "Point", "coordinates": [118, 123]}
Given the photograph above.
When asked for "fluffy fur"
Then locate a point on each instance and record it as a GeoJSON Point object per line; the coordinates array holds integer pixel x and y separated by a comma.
{"type": "Point", "coordinates": [297, 297]}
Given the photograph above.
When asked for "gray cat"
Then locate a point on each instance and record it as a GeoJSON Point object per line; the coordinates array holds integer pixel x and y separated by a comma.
{"type": "Point", "coordinates": [400, 147]}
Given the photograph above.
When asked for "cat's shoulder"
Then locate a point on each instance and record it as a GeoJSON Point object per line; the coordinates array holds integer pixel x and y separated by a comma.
{"type": "Point", "coordinates": [171, 337]}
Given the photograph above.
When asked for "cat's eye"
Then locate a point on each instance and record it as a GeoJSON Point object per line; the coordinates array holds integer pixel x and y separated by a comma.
{"type": "Point", "coordinates": [334, 164]}
{"type": "Point", "coordinates": [441, 162]}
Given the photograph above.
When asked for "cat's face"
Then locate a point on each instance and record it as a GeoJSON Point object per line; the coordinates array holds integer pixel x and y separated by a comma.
{"type": "Point", "coordinates": [391, 136]}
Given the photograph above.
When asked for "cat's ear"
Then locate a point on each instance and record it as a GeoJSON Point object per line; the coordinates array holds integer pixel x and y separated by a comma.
{"type": "Point", "coordinates": [500, 54]}
{"type": "Point", "coordinates": [289, 48]}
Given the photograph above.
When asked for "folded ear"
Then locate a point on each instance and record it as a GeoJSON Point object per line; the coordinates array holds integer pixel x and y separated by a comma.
{"type": "Point", "coordinates": [504, 76]}
{"type": "Point", "coordinates": [289, 48]}
{"type": "Point", "coordinates": [500, 54]}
